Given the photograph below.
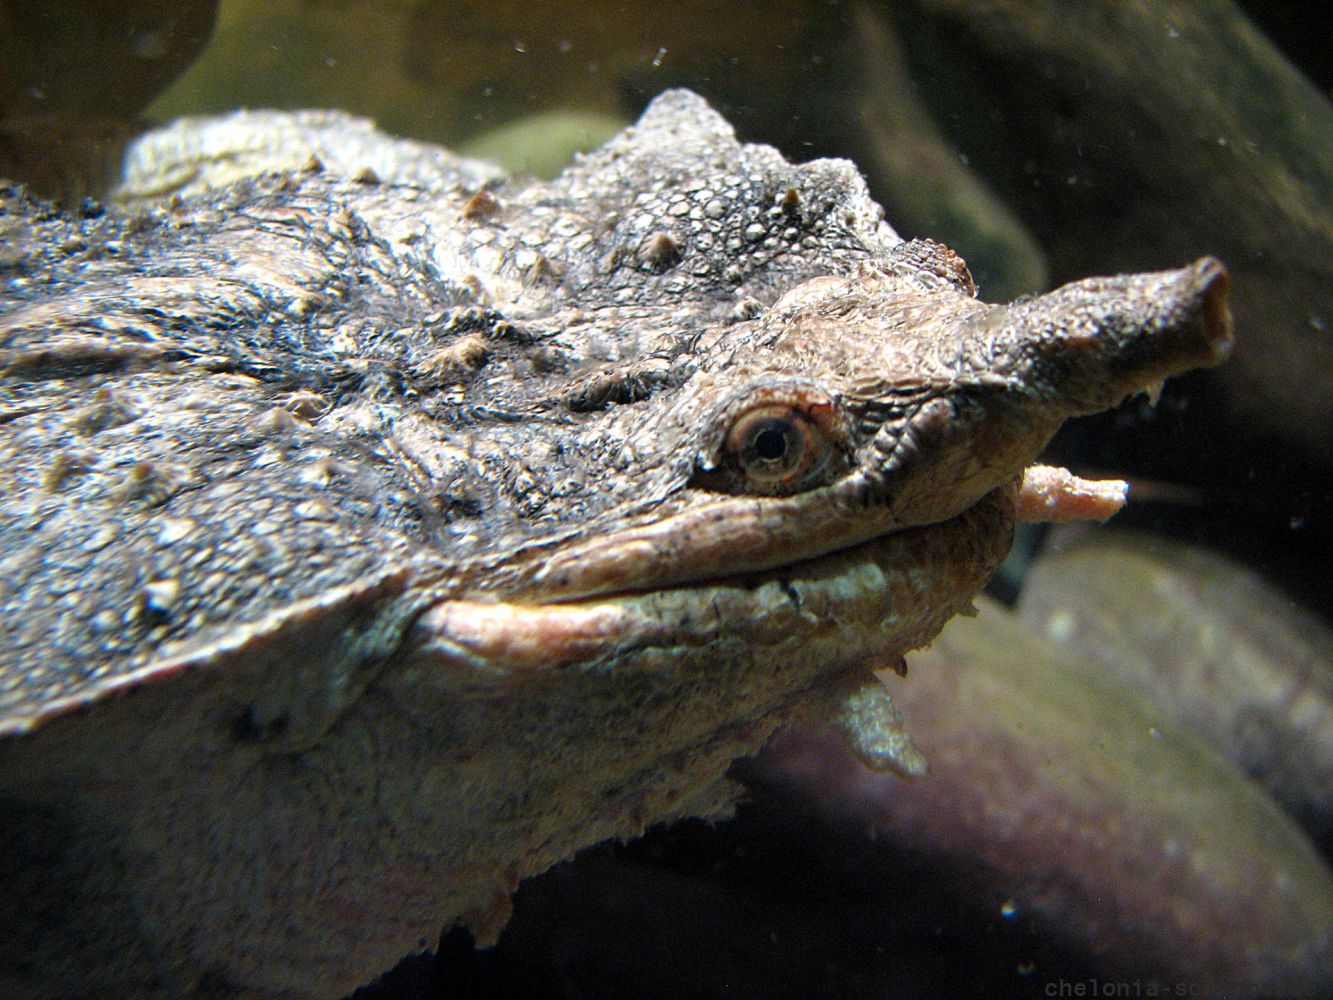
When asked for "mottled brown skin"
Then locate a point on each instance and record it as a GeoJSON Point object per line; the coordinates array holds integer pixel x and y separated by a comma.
{"type": "Point", "coordinates": [365, 551]}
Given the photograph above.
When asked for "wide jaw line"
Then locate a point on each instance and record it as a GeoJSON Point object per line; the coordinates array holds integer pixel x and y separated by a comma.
{"type": "Point", "coordinates": [866, 599]}
{"type": "Point", "coordinates": [734, 535]}
{"type": "Point", "coordinates": [875, 597]}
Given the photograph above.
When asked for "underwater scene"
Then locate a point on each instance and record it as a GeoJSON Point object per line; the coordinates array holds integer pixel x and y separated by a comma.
{"type": "Point", "coordinates": [815, 499]}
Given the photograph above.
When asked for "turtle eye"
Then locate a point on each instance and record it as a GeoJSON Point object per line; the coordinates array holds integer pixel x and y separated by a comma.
{"type": "Point", "coordinates": [776, 448]}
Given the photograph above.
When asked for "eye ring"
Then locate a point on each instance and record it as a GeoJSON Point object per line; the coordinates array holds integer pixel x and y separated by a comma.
{"type": "Point", "coordinates": [776, 447]}
{"type": "Point", "coordinates": [774, 440]}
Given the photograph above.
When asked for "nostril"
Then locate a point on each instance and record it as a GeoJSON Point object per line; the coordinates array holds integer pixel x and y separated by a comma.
{"type": "Point", "coordinates": [1217, 324]}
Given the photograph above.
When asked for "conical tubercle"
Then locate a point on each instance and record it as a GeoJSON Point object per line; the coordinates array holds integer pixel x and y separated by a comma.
{"type": "Point", "coordinates": [875, 730]}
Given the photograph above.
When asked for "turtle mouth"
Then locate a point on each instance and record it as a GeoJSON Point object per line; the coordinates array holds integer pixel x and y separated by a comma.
{"type": "Point", "coordinates": [747, 536]}
{"type": "Point", "coordinates": [876, 597]}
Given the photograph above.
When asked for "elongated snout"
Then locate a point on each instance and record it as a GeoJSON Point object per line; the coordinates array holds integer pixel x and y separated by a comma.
{"type": "Point", "coordinates": [1087, 345]}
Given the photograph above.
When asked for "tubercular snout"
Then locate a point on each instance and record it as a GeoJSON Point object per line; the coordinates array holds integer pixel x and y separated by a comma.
{"type": "Point", "coordinates": [1093, 342]}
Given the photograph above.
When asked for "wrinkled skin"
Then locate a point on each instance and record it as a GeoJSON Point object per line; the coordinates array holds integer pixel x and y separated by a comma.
{"type": "Point", "coordinates": [371, 542]}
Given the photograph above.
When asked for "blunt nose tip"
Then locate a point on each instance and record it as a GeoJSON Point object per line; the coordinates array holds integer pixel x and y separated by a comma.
{"type": "Point", "coordinates": [1214, 283]}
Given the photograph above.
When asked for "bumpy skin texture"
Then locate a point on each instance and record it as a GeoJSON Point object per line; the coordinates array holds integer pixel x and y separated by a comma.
{"type": "Point", "coordinates": [369, 542]}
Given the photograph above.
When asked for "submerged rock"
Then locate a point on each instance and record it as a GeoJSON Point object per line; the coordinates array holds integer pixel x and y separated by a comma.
{"type": "Point", "coordinates": [1217, 651]}
{"type": "Point", "coordinates": [1064, 800]}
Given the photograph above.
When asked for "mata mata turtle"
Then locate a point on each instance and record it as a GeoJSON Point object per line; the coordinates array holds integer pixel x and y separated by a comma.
{"type": "Point", "coordinates": [371, 541]}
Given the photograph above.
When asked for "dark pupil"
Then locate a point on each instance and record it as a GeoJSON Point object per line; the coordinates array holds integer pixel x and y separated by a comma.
{"type": "Point", "coordinates": [770, 444]}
